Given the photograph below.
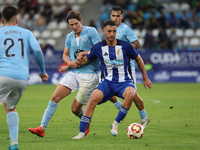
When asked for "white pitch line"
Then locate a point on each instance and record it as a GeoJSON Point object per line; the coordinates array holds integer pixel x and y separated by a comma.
{"type": "Point", "coordinates": [153, 100]}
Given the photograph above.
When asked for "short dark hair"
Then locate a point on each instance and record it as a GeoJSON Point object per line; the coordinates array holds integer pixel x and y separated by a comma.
{"type": "Point", "coordinates": [109, 22]}
{"type": "Point", "coordinates": [74, 15]}
{"type": "Point", "coordinates": [9, 12]}
{"type": "Point", "coordinates": [116, 8]}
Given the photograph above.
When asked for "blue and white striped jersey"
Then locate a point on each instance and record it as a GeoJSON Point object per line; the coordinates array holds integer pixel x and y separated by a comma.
{"type": "Point", "coordinates": [125, 33]}
{"type": "Point", "coordinates": [115, 61]}
{"type": "Point", "coordinates": [87, 39]}
{"type": "Point", "coordinates": [15, 46]}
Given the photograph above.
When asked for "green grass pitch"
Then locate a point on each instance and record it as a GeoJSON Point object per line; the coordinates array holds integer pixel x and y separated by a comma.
{"type": "Point", "coordinates": [172, 108]}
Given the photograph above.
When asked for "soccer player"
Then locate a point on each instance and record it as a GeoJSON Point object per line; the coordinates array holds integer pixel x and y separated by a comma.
{"type": "Point", "coordinates": [84, 78]}
{"type": "Point", "coordinates": [114, 55]}
{"type": "Point", "coordinates": [126, 33]}
{"type": "Point", "coordinates": [16, 43]}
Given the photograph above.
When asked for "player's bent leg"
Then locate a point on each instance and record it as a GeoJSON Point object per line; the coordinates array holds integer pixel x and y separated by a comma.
{"type": "Point", "coordinates": [13, 125]}
{"type": "Point", "coordinates": [76, 108]}
{"type": "Point", "coordinates": [129, 94]}
{"type": "Point", "coordinates": [60, 92]}
{"type": "Point", "coordinates": [140, 105]}
{"type": "Point", "coordinates": [138, 102]}
{"type": "Point", "coordinates": [96, 98]}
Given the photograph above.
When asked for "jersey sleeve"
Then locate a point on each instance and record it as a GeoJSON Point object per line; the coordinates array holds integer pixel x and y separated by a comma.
{"type": "Point", "coordinates": [67, 41]}
{"type": "Point", "coordinates": [94, 35]}
{"type": "Point", "coordinates": [37, 53]}
{"type": "Point", "coordinates": [130, 35]}
{"type": "Point", "coordinates": [131, 51]}
{"type": "Point", "coordinates": [92, 53]}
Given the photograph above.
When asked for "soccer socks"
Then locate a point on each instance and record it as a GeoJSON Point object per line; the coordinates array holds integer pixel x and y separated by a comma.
{"type": "Point", "coordinates": [84, 123]}
{"type": "Point", "coordinates": [121, 114]}
{"type": "Point", "coordinates": [80, 114]}
{"type": "Point", "coordinates": [13, 123]}
{"type": "Point", "coordinates": [51, 108]}
{"type": "Point", "coordinates": [143, 114]}
{"type": "Point", "coordinates": [118, 104]}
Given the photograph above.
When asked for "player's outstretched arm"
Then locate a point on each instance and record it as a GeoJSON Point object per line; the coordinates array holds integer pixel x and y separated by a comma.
{"type": "Point", "coordinates": [44, 77]}
{"type": "Point", "coordinates": [146, 80]}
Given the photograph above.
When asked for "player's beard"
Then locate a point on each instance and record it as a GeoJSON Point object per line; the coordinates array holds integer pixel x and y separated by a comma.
{"type": "Point", "coordinates": [111, 39]}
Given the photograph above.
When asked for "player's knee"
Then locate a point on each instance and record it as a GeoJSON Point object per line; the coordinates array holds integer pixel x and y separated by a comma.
{"type": "Point", "coordinates": [55, 98]}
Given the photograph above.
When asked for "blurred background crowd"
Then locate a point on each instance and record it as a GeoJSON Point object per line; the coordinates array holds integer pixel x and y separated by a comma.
{"type": "Point", "coordinates": [159, 24]}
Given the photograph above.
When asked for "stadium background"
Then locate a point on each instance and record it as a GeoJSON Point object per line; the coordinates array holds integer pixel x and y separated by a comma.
{"type": "Point", "coordinates": [172, 55]}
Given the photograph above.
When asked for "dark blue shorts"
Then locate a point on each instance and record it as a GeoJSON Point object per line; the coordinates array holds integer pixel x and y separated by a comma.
{"type": "Point", "coordinates": [110, 89]}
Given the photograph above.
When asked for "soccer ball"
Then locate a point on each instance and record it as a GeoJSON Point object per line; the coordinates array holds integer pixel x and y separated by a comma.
{"type": "Point", "coordinates": [135, 131]}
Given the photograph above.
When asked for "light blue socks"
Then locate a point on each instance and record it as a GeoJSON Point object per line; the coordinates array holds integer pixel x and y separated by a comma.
{"type": "Point", "coordinates": [51, 108]}
{"type": "Point", "coordinates": [118, 104]}
{"type": "Point", "coordinates": [13, 125]}
{"type": "Point", "coordinates": [143, 114]}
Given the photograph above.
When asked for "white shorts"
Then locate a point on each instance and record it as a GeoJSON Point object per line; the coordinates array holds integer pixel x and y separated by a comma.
{"type": "Point", "coordinates": [84, 82]}
{"type": "Point", "coordinates": [11, 91]}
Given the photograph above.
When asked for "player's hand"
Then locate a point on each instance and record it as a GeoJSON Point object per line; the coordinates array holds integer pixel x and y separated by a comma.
{"type": "Point", "coordinates": [44, 77]}
{"type": "Point", "coordinates": [64, 68]}
{"type": "Point", "coordinates": [147, 82]}
{"type": "Point", "coordinates": [74, 64]}
{"type": "Point", "coordinates": [80, 56]}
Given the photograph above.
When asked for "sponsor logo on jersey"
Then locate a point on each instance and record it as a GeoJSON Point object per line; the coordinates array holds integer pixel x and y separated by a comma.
{"type": "Point", "coordinates": [114, 63]}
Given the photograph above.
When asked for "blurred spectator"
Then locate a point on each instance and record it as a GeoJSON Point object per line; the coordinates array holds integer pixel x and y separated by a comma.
{"type": "Point", "coordinates": [41, 46]}
{"type": "Point", "coordinates": [41, 23]}
{"type": "Point", "coordinates": [22, 21]}
{"type": "Point", "coordinates": [128, 18]}
{"type": "Point", "coordinates": [161, 21]}
{"type": "Point", "coordinates": [47, 11]}
{"type": "Point", "coordinates": [123, 3]}
{"type": "Point", "coordinates": [162, 46]}
{"type": "Point", "coordinates": [194, 21]}
{"type": "Point", "coordinates": [106, 7]}
{"type": "Point", "coordinates": [67, 9]}
{"type": "Point", "coordinates": [23, 6]}
{"type": "Point", "coordinates": [172, 20]}
{"type": "Point", "coordinates": [111, 2]}
{"type": "Point", "coordinates": [92, 23]}
{"type": "Point", "coordinates": [100, 31]}
{"type": "Point", "coordinates": [184, 21]}
{"type": "Point", "coordinates": [137, 20]}
{"type": "Point", "coordinates": [197, 6]}
{"type": "Point", "coordinates": [149, 40]}
{"type": "Point", "coordinates": [145, 5]}
{"type": "Point", "coordinates": [182, 45]}
{"type": "Point", "coordinates": [162, 35]}
{"type": "Point", "coordinates": [173, 38]}
{"type": "Point", "coordinates": [57, 10]}
{"type": "Point", "coordinates": [34, 6]}
{"type": "Point", "coordinates": [148, 65]}
{"type": "Point", "coordinates": [30, 23]}
{"type": "Point", "coordinates": [152, 21]}
{"type": "Point", "coordinates": [49, 51]}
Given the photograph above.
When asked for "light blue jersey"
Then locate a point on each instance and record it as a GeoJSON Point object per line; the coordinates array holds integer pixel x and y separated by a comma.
{"type": "Point", "coordinates": [125, 33]}
{"type": "Point", "coordinates": [87, 39]}
{"type": "Point", "coordinates": [15, 46]}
